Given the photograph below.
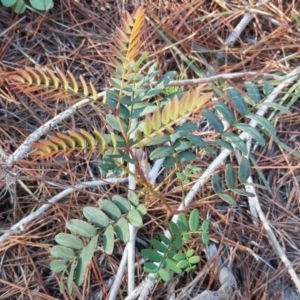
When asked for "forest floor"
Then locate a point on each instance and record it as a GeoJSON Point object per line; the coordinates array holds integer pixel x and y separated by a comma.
{"type": "Point", "coordinates": [187, 37]}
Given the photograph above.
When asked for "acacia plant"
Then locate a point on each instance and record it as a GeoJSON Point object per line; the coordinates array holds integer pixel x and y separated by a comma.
{"type": "Point", "coordinates": [141, 118]}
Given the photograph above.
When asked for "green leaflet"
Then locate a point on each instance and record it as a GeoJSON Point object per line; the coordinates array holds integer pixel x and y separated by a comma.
{"type": "Point", "coordinates": [237, 100]}
{"type": "Point", "coordinates": [213, 120]}
{"type": "Point", "coordinates": [244, 169]}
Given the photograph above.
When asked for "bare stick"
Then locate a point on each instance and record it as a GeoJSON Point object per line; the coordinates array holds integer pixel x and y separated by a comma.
{"type": "Point", "coordinates": [54, 199]}
{"type": "Point", "coordinates": [119, 276]}
{"type": "Point", "coordinates": [132, 229]}
{"type": "Point", "coordinates": [224, 77]}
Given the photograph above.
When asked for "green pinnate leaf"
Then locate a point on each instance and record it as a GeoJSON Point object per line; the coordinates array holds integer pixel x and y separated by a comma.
{"type": "Point", "coordinates": [172, 266]}
{"type": "Point", "coordinates": [81, 228]}
{"type": "Point", "coordinates": [165, 239]}
{"type": "Point", "coordinates": [213, 120]}
{"type": "Point", "coordinates": [164, 275]}
{"type": "Point", "coordinates": [243, 193]}
{"type": "Point", "coordinates": [110, 209]}
{"type": "Point", "coordinates": [189, 253]}
{"type": "Point", "coordinates": [205, 238]}
{"type": "Point", "coordinates": [62, 252]}
{"type": "Point", "coordinates": [252, 132]}
{"type": "Point", "coordinates": [108, 240]}
{"type": "Point", "coordinates": [122, 230]}
{"type": "Point", "coordinates": [177, 244]}
{"type": "Point", "coordinates": [165, 79]}
{"type": "Point", "coordinates": [185, 156]}
{"type": "Point", "coordinates": [196, 140]}
{"type": "Point", "coordinates": [142, 209]}
{"type": "Point", "coordinates": [276, 106]}
{"type": "Point", "coordinates": [19, 7]}
{"type": "Point", "coordinates": [80, 272]}
{"type": "Point", "coordinates": [115, 124]}
{"type": "Point", "coordinates": [161, 152]}
{"type": "Point", "coordinates": [223, 144]}
{"type": "Point", "coordinates": [237, 100]}
{"type": "Point", "coordinates": [205, 225]}
{"type": "Point", "coordinates": [152, 255]}
{"type": "Point", "coordinates": [194, 259]}
{"type": "Point", "coordinates": [58, 266]}
{"type": "Point", "coordinates": [122, 203]}
{"type": "Point", "coordinates": [134, 218]}
{"type": "Point", "coordinates": [157, 140]}
{"type": "Point", "coordinates": [217, 183]}
{"type": "Point", "coordinates": [159, 246]}
{"type": "Point", "coordinates": [263, 122]}
{"type": "Point", "coordinates": [268, 88]}
{"type": "Point", "coordinates": [194, 220]}
{"type": "Point", "coordinates": [229, 176]}
{"type": "Point", "coordinates": [179, 256]}
{"type": "Point", "coordinates": [174, 229]}
{"type": "Point", "coordinates": [96, 216]}
{"type": "Point", "coordinates": [252, 91]}
{"type": "Point", "coordinates": [227, 114]}
{"type": "Point", "coordinates": [183, 223]}
{"type": "Point", "coordinates": [89, 250]}
{"type": "Point", "coordinates": [180, 131]}
{"type": "Point", "coordinates": [8, 3]}
{"type": "Point", "coordinates": [71, 276]}
{"type": "Point", "coordinates": [182, 264]}
{"type": "Point", "coordinates": [68, 240]}
{"type": "Point", "coordinates": [42, 4]}
{"type": "Point", "coordinates": [182, 144]}
{"type": "Point", "coordinates": [227, 198]}
{"type": "Point", "coordinates": [244, 169]}
{"type": "Point", "coordinates": [169, 162]}
{"type": "Point", "coordinates": [236, 140]}
{"type": "Point", "coordinates": [150, 267]}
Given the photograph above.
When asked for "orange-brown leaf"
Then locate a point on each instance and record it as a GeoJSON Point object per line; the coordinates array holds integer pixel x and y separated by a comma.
{"type": "Point", "coordinates": [122, 35]}
{"type": "Point", "coordinates": [125, 26]}
{"type": "Point", "coordinates": [62, 78]}
{"type": "Point", "coordinates": [139, 11]}
{"type": "Point", "coordinates": [60, 142]}
{"type": "Point", "coordinates": [16, 78]}
{"type": "Point", "coordinates": [117, 53]}
{"type": "Point", "coordinates": [73, 82]}
{"type": "Point", "coordinates": [78, 138]}
{"type": "Point", "coordinates": [84, 86]}
{"type": "Point", "coordinates": [42, 146]}
{"type": "Point", "coordinates": [119, 44]}
{"type": "Point", "coordinates": [53, 78]}
{"type": "Point", "coordinates": [25, 75]}
{"type": "Point", "coordinates": [68, 140]}
{"type": "Point", "coordinates": [36, 78]}
{"type": "Point", "coordinates": [127, 18]}
{"type": "Point", "coordinates": [43, 76]}
{"type": "Point", "coordinates": [202, 100]}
